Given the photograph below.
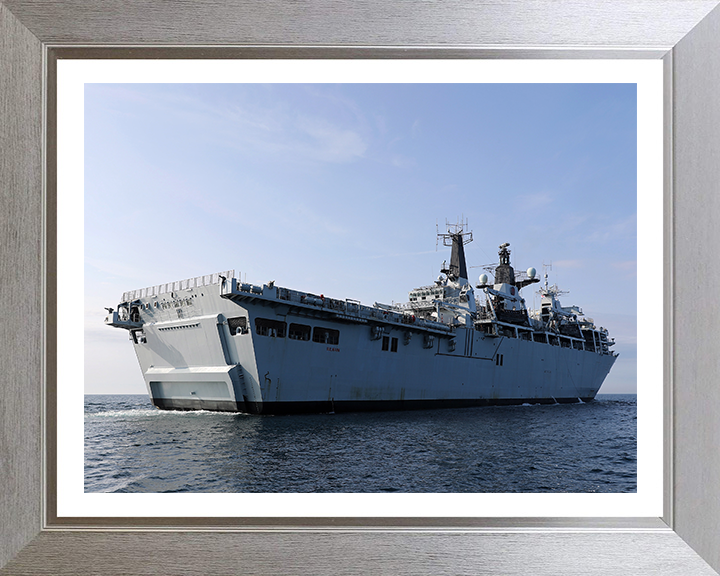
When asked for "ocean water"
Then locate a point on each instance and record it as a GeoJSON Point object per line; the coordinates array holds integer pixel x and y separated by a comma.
{"type": "Point", "coordinates": [130, 446]}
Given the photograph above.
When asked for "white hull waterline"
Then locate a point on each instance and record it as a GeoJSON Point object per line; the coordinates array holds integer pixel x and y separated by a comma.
{"type": "Point", "coordinates": [215, 343]}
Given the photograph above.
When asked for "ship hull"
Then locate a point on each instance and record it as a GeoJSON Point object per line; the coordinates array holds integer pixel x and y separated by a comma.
{"type": "Point", "coordinates": [332, 407]}
{"type": "Point", "coordinates": [194, 357]}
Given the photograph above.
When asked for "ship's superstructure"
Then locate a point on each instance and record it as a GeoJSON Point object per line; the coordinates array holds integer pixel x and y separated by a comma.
{"type": "Point", "coordinates": [216, 343]}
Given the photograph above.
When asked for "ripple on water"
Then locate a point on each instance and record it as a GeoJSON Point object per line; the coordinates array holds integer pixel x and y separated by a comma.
{"type": "Point", "coordinates": [131, 446]}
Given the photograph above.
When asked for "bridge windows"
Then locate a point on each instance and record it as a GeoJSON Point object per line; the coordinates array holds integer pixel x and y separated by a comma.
{"type": "Point", "coordinates": [279, 329]}
{"type": "Point", "coordinates": [299, 332]}
{"type": "Point", "coordinates": [325, 335]}
{"type": "Point", "coordinates": [272, 328]}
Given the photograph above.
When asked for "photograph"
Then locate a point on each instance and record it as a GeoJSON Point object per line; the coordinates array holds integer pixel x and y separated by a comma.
{"type": "Point", "coordinates": [360, 287]}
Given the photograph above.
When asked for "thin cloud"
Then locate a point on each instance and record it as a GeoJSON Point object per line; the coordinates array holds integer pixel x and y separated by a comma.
{"type": "Point", "coordinates": [415, 128]}
{"type": "Point", "coordinates": [534, 201]}
{"type": "Point", "coordinates": [329, 142]}
{"type": "Point", "coordinates": [402, 255]}
{"type": "Point", "coordinates": [400, 161]}
{"type": "Point", "coordinates": [624, 229]}
{"type": "Point", "coordinates": [629, 267]}
{"type": "Point", "coordinates": [252, 127]}
{"type": "Point", "coordinates": [568, 263]}
{"type": "Point", "coordinates": [626, 265]}
{"type": "Point", "coordinates": [313, 223]}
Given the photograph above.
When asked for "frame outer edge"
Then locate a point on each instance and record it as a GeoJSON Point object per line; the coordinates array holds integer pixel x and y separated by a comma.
{"type": "Point", "coordinates": [20, 227]}
{"type": "Point", "coordinates": [21, 280]}
{"type": "Point", "coordinates": [72, 553]}
{"type": "Point", "coordinates": [372, 22]}
{"type": "Point", "coordinates": [696, 110]}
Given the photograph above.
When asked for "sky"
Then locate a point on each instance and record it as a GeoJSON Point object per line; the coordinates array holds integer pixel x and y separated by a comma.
{"type": "Point", "coordinates": [338, 189]}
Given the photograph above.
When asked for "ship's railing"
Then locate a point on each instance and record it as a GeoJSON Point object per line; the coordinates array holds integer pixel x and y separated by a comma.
{"type": "Point", "coordinates": [430, 287]}
{"type": "Point", "coordinates": [352, 308]}
{"type": "Point", "coordinates": [453, 301]}
{"type": "Point", "coordinates": [421, 305]}
{"type": "Point", "coordinates": [197, 282]}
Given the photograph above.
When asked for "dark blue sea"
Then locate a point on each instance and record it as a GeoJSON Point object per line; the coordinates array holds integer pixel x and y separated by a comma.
{"type": "Point", "coordinates": [130, 446]}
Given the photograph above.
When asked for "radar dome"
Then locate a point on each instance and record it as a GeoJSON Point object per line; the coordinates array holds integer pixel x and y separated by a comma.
{"type": "Point", "coordinates": [483, 278]}
{"type": "Point", "coordinates": [531, 273]}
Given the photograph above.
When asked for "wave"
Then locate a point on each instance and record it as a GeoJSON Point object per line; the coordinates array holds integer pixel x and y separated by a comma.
{"type": "Point", "coordinates": [156, 413]}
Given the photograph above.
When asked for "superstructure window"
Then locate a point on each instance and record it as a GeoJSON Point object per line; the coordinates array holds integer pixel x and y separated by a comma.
{"type": "Point", "coordinates": [299, 332]}
{"type": "Point", "coordinates": [272, 328]}
{"type": "Point", "coordinates": [386, 343]}
{"type": "Point", "coordinates": [325, 335]}
{"type": "Point", "coordinates": [393, 345]}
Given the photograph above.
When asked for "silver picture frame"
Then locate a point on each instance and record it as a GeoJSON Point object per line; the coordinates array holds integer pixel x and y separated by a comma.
{"type": "Point", "coordinates": [684, 34]}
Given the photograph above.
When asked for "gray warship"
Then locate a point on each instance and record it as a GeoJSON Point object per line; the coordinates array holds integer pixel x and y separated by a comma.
{"type": "Point", "coordinates": [216, 343]}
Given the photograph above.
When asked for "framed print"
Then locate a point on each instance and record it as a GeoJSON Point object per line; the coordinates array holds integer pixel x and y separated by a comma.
{"type": "Point", "coordinates": [36, 40]}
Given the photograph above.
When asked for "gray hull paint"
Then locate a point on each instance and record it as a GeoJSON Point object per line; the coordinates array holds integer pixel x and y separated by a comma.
{"type": "Point", "coordinates": [332, 407]}
{"type": "Point", "coordinates": [191, 360]}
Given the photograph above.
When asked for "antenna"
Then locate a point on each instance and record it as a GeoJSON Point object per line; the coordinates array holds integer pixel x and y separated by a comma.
{"type": "Point", "coordinates": [453, 230]}
{"type": "Point", "coordinates": [456, 237]}
{"type": "Point", "coordinates": [546, 267]}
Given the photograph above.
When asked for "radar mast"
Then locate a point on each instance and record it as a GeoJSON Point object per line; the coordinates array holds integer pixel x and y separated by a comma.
{"type": "Point", "coordinates": [457, 237]}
